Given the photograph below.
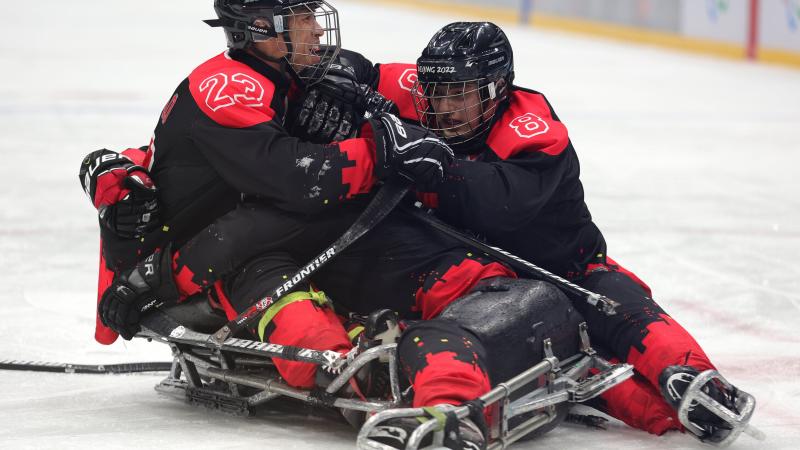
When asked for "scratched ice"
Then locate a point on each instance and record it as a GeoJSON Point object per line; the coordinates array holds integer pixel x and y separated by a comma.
{"type": "Point", "coordinates": [689, 165]}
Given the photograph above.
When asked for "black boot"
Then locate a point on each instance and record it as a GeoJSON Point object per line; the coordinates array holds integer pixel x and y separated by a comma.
{"type": "Point", "coordinates": [382, 326]}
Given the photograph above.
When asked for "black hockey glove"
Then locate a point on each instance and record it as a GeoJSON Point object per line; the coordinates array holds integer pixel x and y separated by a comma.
{"type": "Point", "coordinates": [132, 293]}
{"type": "Point", "coordinates": [375, 103]}
{"type": "Point", "coordinates": [409, 150]}
{"type": "Point", "coordinates": [335, 108]}
{"type": "Point", "coordinates": [323, 116]}
{"type": "Point", "coordinates": [123, 193]}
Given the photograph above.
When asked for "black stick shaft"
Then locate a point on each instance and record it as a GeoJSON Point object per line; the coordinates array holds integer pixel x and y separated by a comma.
{"type": "Point", "coordinates": [381, 205]}
{"type": "Point", "coordinates": [161, 326]}
{"type": "Point", "coordinates": [38, 366]}
{"type": "Point", "coordinates": [601, 302]}
{"type": "Point", "coordinates": [323, 358]}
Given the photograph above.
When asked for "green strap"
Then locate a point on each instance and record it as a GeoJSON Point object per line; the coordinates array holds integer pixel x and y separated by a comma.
{"type": "Point", "coordinates": [352, 334]}
{"type": "Point", "coordinates": [317, 297]}
{"type": "Point", "coordinates": [437, 415]}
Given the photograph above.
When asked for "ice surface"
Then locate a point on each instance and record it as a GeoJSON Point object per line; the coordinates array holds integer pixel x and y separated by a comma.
{"type": "Point", "coordinates": [689, 164]}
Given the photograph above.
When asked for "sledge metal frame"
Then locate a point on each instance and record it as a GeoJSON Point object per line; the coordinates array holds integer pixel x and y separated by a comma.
{"type": "Point", "coordinates": [238, 375]}
{"type": "Point", "coordinates": [566, 381]}
{"type": "Point", "coordinates": [194, 374]}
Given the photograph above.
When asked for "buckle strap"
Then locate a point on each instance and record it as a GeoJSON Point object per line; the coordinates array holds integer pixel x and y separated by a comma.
{"type": "Point", "coordinates": [317, 297]}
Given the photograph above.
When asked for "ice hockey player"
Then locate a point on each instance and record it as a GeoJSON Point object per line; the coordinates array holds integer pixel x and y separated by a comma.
{"type": "Point", "coordinates": [169, 107]}
{"type": "Point", "coordinates": [221, 135]}
{"type": "Point", "coordinates": [517, 183]}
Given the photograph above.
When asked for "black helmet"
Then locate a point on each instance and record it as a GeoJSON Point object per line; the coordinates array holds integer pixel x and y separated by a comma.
{"type": "Point", "coordinates": [470, 67]}
{"type": "Point", "coordinates": [243, 22]}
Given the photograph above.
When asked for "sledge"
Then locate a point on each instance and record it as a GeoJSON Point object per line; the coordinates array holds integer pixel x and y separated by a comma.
{"type": "Point", "coordinates": [238, 375]}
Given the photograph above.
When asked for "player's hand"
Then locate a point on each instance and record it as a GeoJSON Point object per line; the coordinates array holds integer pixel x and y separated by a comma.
{"type": "Point", "coordinates": [123, 193]}
{"type": "Point", "coordinates": [335, 108]}
{"type": "Point", "coordinates": [410, 151]}
{"type": "Point", "coordinates": [137, 213]}
{"type": "Point", "coordinates": [374, 103]}
{"type": "Point", "coordinates": [136, 291]}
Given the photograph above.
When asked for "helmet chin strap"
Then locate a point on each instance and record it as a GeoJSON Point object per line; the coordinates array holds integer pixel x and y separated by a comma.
{"type": "Point", "coordinates": [284, 61]}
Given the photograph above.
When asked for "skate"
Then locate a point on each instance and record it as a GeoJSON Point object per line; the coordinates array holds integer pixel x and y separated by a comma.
{"type": "Point", "coordinates": [399, 433]}
{"type": "Point", "coordinates": [712, 409]}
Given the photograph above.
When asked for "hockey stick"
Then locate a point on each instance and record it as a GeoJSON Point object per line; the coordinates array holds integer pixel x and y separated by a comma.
{"type": "Point", "coordinates": [160, 326]}
{"type": "Point", "coordinates": [379, 207]}
{"type": "Point", "coordinates": [601, 302]}
{"type": "Point", "coordinates": [35, 366]}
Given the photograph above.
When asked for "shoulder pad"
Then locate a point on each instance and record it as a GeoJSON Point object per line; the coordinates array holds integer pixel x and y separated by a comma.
{"type": "Point", "coordinates": [528, 125]}
{"type": "Point", "coordinates": [395, 83]}
{"type": "Point", "coordinates": [231, 93]}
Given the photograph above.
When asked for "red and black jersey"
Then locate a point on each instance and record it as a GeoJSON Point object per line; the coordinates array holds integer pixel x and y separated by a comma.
{"type": "Point", "coordinates": [395, 83]}
{"type": "Point", "coordinates": [221, 135]}
{"type": "Point", "coordinates": [522, 191]}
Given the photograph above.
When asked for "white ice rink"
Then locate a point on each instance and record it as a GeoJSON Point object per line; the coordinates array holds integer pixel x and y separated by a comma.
{"type": "Point", "coordinates": [690, 166]}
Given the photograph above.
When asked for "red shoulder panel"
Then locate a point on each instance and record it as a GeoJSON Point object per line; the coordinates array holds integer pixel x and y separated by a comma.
{"type": "Point", "coordinates": [527, 126]}
{"type": "Point", "coordinates": [395, 83]}
{"type": "Point", "coordinates": [231, 93]}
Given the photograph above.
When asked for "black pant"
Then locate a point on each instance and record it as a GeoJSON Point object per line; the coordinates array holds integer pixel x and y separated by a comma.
{"type": "Point", "coordinates": [397, 265]}
{"type": "Point", "coordinates": [641, 332]}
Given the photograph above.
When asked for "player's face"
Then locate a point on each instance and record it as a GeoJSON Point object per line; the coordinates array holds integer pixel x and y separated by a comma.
{"type": "Point", "coordinates": [458, 108]}
{"type": "Point", "coordinates": [305, 32]}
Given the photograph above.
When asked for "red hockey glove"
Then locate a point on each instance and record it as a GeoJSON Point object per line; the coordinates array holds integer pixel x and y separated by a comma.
{"type": "Point", "coordinates": [123, 193]}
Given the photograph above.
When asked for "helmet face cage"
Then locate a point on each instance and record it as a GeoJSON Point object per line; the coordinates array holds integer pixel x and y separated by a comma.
{"type": "Point", "coordinates": [316, 25]}
{"type": "Point", "coordinates": [458, 111]}
{"type": "Point", "coordinates": [309, 28]}
{"type": "Point", "coordinates": [464, 74]}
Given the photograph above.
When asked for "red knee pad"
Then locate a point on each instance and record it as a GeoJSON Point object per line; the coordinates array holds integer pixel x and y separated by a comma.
{"type": "Point", "coordinates": [305, 324]}
{"type": "Point", "coordinates": [457, 281]}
